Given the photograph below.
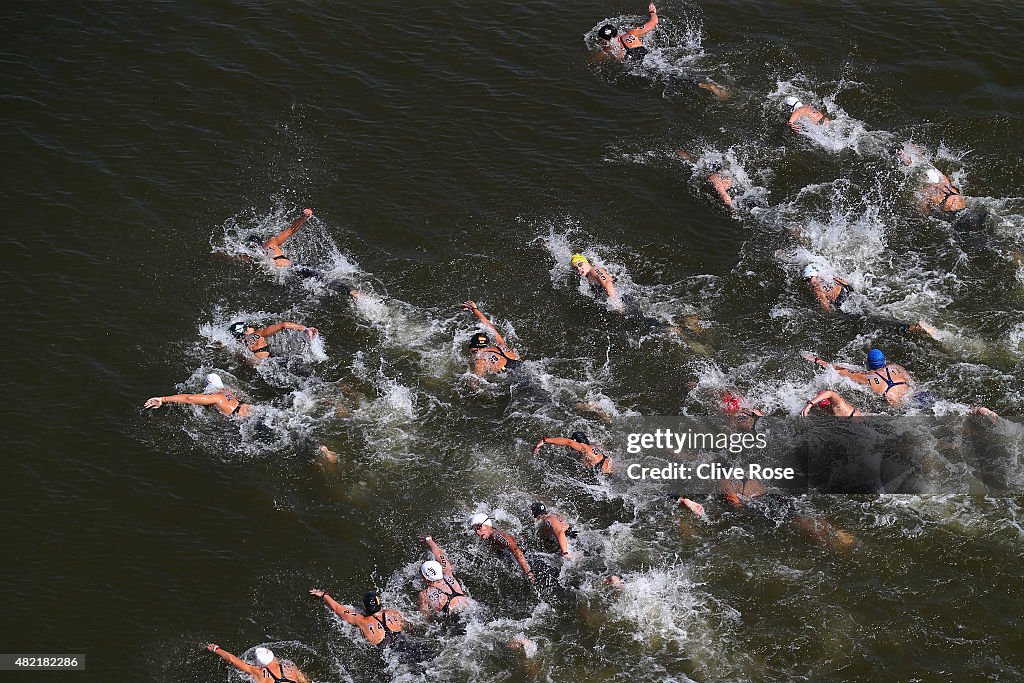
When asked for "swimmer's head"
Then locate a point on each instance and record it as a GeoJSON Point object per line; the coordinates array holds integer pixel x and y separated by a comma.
{"type": "Point", "coordinates": [214, 382]}
{"type": "Point", "coordinates": [933, 175]}
{"type": "Point", "coordinates": [580, 437]}
{"type": "Point", "coordinates": [578, 260]}
{"type": "Point", "coordinates": [538, 508]}
{"type": "Point", "coordinates": [825, 402]}
{"type": "Point", "coordinates": [480, 519]}
{"type": "Point", "coordinates": [793, 103]}
{"type": "Point", "coordinates": [812, 270]}
{"type": "Point", "coordinates": [264, 656]}
{"type": "Point", "coordinates": [238, 329]}
{"type": "Point", "coordinates": [431, 570]}
{"type": "Point", "coordinates": [607, 32]}
{"type": "Point", "coordinates": [478, 341]}
{"type": "Point", "coordinates": [876, 359]}
{"type": "Point", "coordinates": [731, 403]}
{"type": "Point", "coordinates": [371, 601]}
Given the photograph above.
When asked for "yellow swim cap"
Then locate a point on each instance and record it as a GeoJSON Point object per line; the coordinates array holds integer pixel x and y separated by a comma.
{"type": "Point", "coordinates": [578, 259]}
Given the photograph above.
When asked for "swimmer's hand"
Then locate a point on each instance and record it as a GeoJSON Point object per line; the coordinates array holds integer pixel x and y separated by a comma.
{"type": "Point", "coordinates": [652, 9]}
{"type": "Point", "coordinates": [470, 306]}
{"type": "Point", "coordinates": [812, 358]}
{"type": "Point", "coordinates": [307, 212]}
{"type": "Point", "coordinates": [540, 445]}
{"type": "Point", "coordinates": [153, 403]}
{"type": "Point", "coordinates": [312, 332]}
{"type": "Point", "coordinates": [212, 647]}
{"type": "Point", "coordinates": [695, 508]}
{"type": "Point", "coordinates": [317, 593]}
{"type": "Point", "coordinates": [426, 540]}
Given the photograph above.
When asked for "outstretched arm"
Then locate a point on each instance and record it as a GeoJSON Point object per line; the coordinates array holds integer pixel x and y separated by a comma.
{"type": "Point", "coordinates": [651, 22]}
{"type": "Point", "coordinates": [439, 555]}
{"type": "Point", "coordinates": [606, 282]}
{"type": "Point", "coordinates": [560, 441]}
{"type": "Point", "coordinates": [234, 661]}
{"type": "Point", "coordinates": [722, 186]}
{"type": "Point", "coordinates": [194, 399]}
{"type": "Point", "coordinates": [472, 308]}
{"type": "Point", "coordinates": [274, 329]}
{"type": "Point", "coordinates": [347, 614]}
{"type": "Point", "coordinates": [858, 376]}
{"type": "Point", "coordinates": [281, 237]}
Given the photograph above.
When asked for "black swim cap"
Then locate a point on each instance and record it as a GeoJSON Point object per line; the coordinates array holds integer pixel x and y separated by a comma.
{"type": "Point", "coordinates": [538, 508]}
{"type": "Point", "coordinates": [478, 341]}
{"type": "Point", "coordinates": [371, 601]}
{"type": "Point", "coordinates": [580, 437]}
{"type": "Point", "coordinates": [238, 329]}
{"type": "Point", "coordinates": [607, 32]}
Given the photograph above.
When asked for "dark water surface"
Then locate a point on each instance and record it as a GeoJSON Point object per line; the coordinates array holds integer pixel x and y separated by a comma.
{"type": "Point", "coordinates": [464, 150]}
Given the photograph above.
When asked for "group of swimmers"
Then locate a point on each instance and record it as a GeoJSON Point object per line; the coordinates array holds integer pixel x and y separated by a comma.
{"type": "Point", "coordinates": [443, 595]}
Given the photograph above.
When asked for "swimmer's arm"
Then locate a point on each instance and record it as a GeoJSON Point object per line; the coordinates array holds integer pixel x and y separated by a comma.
{"type": "Point", "coordinates": [513, 547]}
{"type": "Point", "coordinates": [606, 282]}
{"type": "Point", "coordinates": [479, 367]}
{"type": "Point", "coordinates": [425, 606]}
{"type": "Point", "coordinates": [560, 441]}
{"type": "Point", "coordinates": [281, 237]}
{"type": "Point", "coordinates": [439, 555]}
{"type": "Point", "coordinates": [234, 661]}
{"type": "Point", "coordinates": [475, 310]}
{"type": "Point", "coordinates": [347, 614]}
{"type": "Point", "coordinates": [287, 325]}
{"type": "Point", "coordinates": [721, 186]}
{"type": "Point", "coordinates": [819, 294]}
{"type": "Point", "coordinates": [560, 527]}
{"type": "Point", "coordinates": [194, 399]}
{"type": "Point", "coordinates": [649, 26]}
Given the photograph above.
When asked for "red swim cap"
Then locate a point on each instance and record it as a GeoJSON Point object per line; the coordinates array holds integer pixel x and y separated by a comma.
{"type": "Point", "coordinates": [731, 403]}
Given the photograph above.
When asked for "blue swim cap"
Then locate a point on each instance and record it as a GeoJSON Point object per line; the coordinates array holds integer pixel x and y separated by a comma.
{"type": "Point", "coordinates": [876, 359]}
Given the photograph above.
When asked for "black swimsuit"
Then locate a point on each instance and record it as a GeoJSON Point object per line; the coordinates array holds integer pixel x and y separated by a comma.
{"type": "Point", "coordinates": [282, 679]}
{"type": "Point", "coordinates": [636, 54]}
{"type": "Point", "coordinates": [946, 194]}
{"type": "Point", "coordinates": [250, 338]}
{"type": "Point", "coordinates": [510, 363]}
{"type": "Point", "coordinates": [887, 379]}
{"type": "Point", "coordinates": [450, 596]}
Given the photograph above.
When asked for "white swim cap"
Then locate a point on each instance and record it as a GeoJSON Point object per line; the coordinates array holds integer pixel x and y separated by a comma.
{"type": "Point", "coordinates": [933, 175]}
{"type": "Point", "coordinates": [264, 656]}
{"type": "Point", "coordinates": [812, 270]}
{"type": "Point", "coordinates": [431, 570]}
{"type": "Point", "coordinates": [793, 102]}
{"type": "Point", "coordinates": [480, 519]}
{"type": "Point", "coordinates": [213, 381]}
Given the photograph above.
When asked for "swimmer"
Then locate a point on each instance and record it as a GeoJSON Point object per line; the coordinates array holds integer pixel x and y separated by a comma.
{"type": "Point", "coordinates": [591, 455]}
{"type": "Point", "coordinates": [256, 339]}
{"type": "Point", "coordinates": [629, 45]}
{"type": "Point", "coordinates": [554, 526]}
{"type": "Point", "coordinates": [598, 278]}
{"type": "Point", "coordinates": [832, 292]}
{"type": "Point", "coordinates": [488, 358]}
{"type": "Point", "coordinates": [216, 395]}
{"type": "Point", "coordinates": [483, 526]}
{"type": "Point", "coordinates": [888, 380]}
{"type": "Point", "coordinates": [722, 184]}
{"type": "Point", "coordinates": [750, 495]}
{"type": "Point", "coordinates": [938, 194]}
{"type": "Point", "coordinates": [379, 625]}
{"type": "Point", "coordinates": [832, 403]}
{"type": "Point", "coordinates": [273, 245]}
{"type": "Point", "coordinates": [802, 112]}
{"type": "Point", "coordinates": [270, 669]}
{"type": "Point", "coordinates": [444, 595]}
{"type": "Point", "coordinates": [742, 417]}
